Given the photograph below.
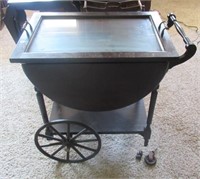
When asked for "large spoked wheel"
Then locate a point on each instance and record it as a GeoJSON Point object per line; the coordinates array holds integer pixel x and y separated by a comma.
{"type": "Point", "coordinates": [73, 142]}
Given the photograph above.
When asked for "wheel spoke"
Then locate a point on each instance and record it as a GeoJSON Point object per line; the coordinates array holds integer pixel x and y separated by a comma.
{"type": "Point", "coordinates": [52, 144]}
{"type": "Point", "coordinates": [68, 131]}
{"type": "Point", "coordinates": [84, 147]}
{"type": "Point", "coordinates": [57, 132]}
{"type": "Point", "coordinates": [77, 135]}
{"type": "Point", "coordinates": [67, 146]}
{"type": "Point", "coordinates": [68, 151]}
{"type": "Point", "coordinates": [58, 150]}
{"type": "Point", "coordinates": [49, 137]}
{"type": "Point", "coordinates": [87, 140]}
{"type": "Point", "coordinates": [77, 151]}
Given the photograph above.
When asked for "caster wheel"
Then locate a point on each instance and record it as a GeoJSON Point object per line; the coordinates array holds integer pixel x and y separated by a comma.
{"type": "Point", "coordinates": [150, 159]}
{"type": "Point", "coordinates": [139, 155]}
{"type": "Point", "coordinates": [68, 146]}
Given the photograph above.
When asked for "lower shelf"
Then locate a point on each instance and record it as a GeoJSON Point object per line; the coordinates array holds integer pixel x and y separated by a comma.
{"type": "Point", "coordinates": [130, 119]}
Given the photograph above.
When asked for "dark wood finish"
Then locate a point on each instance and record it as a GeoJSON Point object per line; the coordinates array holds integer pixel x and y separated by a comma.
{"type": "Point", "coordinates": [163, 49]}
{"type": "Point", "coordinates": [96, 77]}
{"type": "Point", "coordinates": [96, 86]}
{"type": "Point", "coordinates": [131, 119]}
{"type": "Point", "coordinates": [105, 83]}
{"type": "Point", "coordinates": [95, 35]}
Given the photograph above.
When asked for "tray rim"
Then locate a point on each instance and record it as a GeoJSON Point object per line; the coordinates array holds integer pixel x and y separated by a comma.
{"type": "Point", "coordinates": [20, 54]}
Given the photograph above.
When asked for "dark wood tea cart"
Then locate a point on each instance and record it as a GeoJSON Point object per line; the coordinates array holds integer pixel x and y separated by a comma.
{"type": "Point", "coordinates": [96, 68]}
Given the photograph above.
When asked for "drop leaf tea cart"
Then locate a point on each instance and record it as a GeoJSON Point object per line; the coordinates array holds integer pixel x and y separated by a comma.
{"type": "Point", "coordinates": [96, 68]}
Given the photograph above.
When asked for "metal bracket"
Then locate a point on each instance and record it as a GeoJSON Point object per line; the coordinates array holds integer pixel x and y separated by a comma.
{"type": "Point", "coordinates": [24, 28]}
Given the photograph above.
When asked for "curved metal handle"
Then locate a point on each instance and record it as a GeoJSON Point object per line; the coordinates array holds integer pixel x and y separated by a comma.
{"type": "Point", "coordinates": [172, 21]}
{"type": "Point", "coordinates": [190, 47]}
{"type": "Point", "coordinates": [24, 28]}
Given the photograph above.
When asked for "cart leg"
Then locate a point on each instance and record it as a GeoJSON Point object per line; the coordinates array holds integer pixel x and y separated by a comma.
{"type": "Point", "coordinates": [147, 132]}
{"type": "Point", "coordinates": [42, 106]}
{"type": "Point", "coordinates": [43, 110]}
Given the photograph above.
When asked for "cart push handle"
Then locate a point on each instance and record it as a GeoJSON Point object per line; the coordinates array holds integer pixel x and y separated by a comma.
{"type": "Point", "coordinates": [190, 47]}
{"type": "Point", "coordinates": [172, 21]}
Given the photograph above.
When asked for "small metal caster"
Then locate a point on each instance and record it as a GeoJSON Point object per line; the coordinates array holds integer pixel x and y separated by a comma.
{"type": "Point", "coordinates": [139, 155]}
{"type": "Point", "coordinates": [150, 159]}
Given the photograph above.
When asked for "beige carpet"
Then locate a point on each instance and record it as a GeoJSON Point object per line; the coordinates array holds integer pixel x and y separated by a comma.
{"type": "Point", "coordinates": [175, 128]}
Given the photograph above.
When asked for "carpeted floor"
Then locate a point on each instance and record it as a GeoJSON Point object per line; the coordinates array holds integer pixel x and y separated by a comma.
{"type": "Point", "coordinates": [175, 128]}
